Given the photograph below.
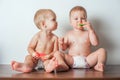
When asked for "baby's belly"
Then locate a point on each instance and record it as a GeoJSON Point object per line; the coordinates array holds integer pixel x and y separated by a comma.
{"type": "Point", "coordinates": [76, 52]}
{"type": "Point", "coordinates": [46, 51]}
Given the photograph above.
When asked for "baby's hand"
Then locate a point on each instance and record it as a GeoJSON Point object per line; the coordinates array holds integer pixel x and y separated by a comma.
{"type": "Point", "coordinates": [36, 55]}
{"type": "Point", "coordinates": [87, 25]}
{"type": "Point", "coordinates": [46, 57]}
{"type": "Point", "coordinates": [61, 42]}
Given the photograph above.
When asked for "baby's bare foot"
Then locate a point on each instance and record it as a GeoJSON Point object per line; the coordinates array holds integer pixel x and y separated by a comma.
{"type": "Point", "coordinates": [52, 65]}
{"type": "Point", "coordinates": [99, 67]}
{"type": "Point", "coordinates": [12, 63]}
{"type": "Point", "coordinates": [20, 67]}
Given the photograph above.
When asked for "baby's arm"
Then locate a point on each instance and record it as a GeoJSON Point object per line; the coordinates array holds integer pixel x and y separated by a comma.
{"type": "Point", "coordinates": [56, 48]}
{"type": "Point", "coordinates": [63, 42]}
{"type": "Point", "coordinates": [32, 45]}
{"type": "Point", "coordinates": [92, 35]}
{"type": "Point", "coordinates": [93, 38]}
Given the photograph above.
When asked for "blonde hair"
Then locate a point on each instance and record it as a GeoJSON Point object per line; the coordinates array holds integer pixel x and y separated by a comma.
{"type": "Point", "coordinates": [78, 8]}
{"type": "Point", "coordinates": [41, 15]}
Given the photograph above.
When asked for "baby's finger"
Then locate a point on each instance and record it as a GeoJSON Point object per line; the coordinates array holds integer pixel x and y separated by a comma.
{"type": "Point", "coordinates": [43, 58]}
{"type": "Point", "coordinates": [61, 39]}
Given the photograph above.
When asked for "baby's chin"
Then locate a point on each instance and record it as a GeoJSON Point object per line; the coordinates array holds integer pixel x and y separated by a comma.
{"type": "Point", "coordinates": [80, 28]}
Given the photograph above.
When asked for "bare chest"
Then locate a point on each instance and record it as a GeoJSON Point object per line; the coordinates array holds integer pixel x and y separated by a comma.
{"type": "Point", "coordinates": [45, 44]}
{"type": "Point", "coordinates": [81, 38]}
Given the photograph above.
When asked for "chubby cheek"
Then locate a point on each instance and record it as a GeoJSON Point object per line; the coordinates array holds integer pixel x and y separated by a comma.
{"type": "Point", "coordinates": [53, 26]}
{"type": "Point", "coordinates": [55, 23]}
{"type": "Point", "coordinates": [74, 24]}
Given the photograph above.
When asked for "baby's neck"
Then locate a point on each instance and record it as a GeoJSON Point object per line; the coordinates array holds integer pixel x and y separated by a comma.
{"type": "Point", "coordinates": [46, 33]}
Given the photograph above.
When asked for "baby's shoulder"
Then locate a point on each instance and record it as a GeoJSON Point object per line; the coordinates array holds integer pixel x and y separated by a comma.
{"type": "Point", "coordinates": [69, 33]}
{"type": "Point", "coordinates": [54, 36]}
{"type": "Point", "coordinates": [37, 34]}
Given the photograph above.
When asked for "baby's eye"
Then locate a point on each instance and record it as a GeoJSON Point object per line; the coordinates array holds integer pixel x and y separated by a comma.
{"type": "Point", "coordinates": [83, 19]}
{"type": "Point", "coordinates": [76, 18]}
{"type": "Point", "coordinates": [53, 19]}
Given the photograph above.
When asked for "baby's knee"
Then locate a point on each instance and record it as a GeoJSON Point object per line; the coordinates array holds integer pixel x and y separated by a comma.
{"type": "Point", "coordinates": [102, 51]}
{"type": "Point", "coordinates": [59, 54]}
{"type": "Point", "coordinates": [28, 56]}
{"type": "Point", "coordinates": [56, 53]}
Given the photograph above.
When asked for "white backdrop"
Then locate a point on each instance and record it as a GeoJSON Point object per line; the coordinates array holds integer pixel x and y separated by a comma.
{"type": "Point", "coordinates": [17, 26]}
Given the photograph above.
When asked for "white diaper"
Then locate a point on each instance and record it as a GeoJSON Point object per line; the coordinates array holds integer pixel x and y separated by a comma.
{"type": "Point", "coordinates": [39, 65]}
{"type": "Point", "coordinates": [80, 62]}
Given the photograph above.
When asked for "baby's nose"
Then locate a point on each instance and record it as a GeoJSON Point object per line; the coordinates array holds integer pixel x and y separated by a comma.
{"type": "Point", "coordinates": [80, 21]}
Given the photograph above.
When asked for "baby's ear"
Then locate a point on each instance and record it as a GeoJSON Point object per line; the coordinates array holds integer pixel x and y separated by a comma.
{"type": "Point", "coordinates": [42, 23]}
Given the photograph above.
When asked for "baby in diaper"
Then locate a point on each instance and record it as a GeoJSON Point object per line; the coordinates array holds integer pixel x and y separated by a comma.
{"type": "Point", "coordinates": [79, 40]}
{"type": "Point", "coordinates": [43, 45]}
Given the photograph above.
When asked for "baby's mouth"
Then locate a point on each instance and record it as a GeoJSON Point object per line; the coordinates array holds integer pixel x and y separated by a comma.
{"type": "Point", "coordinates": [81, 25]}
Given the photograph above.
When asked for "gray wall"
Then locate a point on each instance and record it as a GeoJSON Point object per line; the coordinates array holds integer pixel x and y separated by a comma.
{"type": "Point", "coordinates": [17, 26]}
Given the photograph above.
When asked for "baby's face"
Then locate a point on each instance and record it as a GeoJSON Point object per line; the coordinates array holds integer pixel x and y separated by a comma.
{"type": "Point", "coordinates": [76, 18]}
{"type": "Point", "coordinates": [51, 22]}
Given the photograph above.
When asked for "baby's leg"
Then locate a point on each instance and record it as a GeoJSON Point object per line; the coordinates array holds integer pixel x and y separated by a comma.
{"type": "Point", "coordinates": [27, 66]}
{"type": "Point", "coordinates": [62, 66]}
{"type": "Point", "coordinates": [20, 67]}
{"type": "Point", "coordinates": [97, 59]}
{"type": "Point", "coordinates": [50, 65]}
